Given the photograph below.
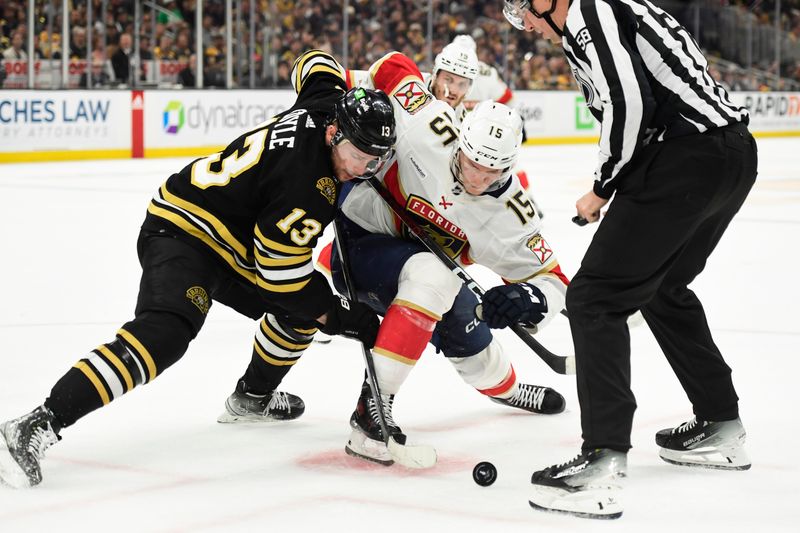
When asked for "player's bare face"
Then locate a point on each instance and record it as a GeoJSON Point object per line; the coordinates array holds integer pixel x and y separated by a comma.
{"type": "Point", "coordinates": [349, 162]}
{"type": "Point", "coordinates": [450, 87]}
{"type": "Point", "coordinates": [476, 178]}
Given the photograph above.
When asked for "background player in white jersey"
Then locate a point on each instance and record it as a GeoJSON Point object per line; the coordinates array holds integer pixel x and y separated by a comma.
{"type": "Point", "coordinates": [488, 84]}
{"type": "Point", "coordinates": [461, 190]}
{"type": "Point", "coordinates": [455, 69]}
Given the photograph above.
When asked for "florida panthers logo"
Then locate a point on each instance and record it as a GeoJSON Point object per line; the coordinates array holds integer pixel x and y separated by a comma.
{"type": "Point", "coordinates": [540, 248]}
{"type": "Point", "coordinates": [412, 96]}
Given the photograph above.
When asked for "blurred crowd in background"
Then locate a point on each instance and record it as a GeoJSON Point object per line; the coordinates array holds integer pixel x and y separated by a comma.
{"type": "Point", "coordinates": [738, 35]}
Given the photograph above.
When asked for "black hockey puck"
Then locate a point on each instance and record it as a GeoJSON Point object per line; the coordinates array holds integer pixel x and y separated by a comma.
{"type": "Point", "coordinates": [484, 473]}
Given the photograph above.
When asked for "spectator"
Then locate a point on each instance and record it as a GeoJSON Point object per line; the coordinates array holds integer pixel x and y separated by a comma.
{"type": "Point", "coordinates": [121, 60]}
{"type": "Point", "coordinates": [16, 53]}
{"type": "Point", "coordinates": [100, 77]}
{"type": "Point", "coordinates": [77, 46]}
{"type": "Point", "coordinates": [187, 77]}
{"type": "Point", "coordinates": [283, 75]}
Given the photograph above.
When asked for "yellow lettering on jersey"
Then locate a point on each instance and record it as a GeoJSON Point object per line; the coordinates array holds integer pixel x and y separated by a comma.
{"type": "Point", "coordinates": [232, 166]}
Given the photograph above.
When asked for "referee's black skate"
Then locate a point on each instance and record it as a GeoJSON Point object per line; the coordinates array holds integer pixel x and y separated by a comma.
{"type": "Point", "coordinates": [535, 399]}
{"type": "Point", "coordinates": [702, 443]}
{"type": "Point", "coordinates": [23, 442]}
{"type": "Point", "coordinates": [589, 486]}
{"type": "Point", "coordinates": [366, 439]}
{"type": "Point", "coordinates": [244, 405]}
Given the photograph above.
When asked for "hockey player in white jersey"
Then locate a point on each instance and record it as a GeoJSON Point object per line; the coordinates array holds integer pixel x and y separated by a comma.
{"type": "Point", "coordinates": [461, 190]}
{"type": "Point", "coordinates": [487, 85]}
{"type": "Point", "coordinates": [454, 71]}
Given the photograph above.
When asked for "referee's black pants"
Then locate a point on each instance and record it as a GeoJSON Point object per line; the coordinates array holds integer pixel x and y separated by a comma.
{"type": "Point", "coordinates": [669, 213]}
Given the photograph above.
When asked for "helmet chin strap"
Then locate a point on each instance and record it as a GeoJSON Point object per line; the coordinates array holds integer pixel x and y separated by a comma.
{"type": "Point", "coordinates": [547, 18]}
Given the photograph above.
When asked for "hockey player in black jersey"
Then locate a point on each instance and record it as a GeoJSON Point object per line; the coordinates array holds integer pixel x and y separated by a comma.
{"type": "Point", "coordinates": [237, 227]}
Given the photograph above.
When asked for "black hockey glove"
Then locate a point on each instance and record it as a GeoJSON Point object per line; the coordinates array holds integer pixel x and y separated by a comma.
{"type": "Point", "coordinates": [353, 320]}
{"type": "Point", "coordinates": [511, 304]}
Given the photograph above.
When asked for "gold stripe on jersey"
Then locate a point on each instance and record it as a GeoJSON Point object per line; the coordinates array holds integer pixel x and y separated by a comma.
{"type": "Point", "coordinates": [138, 350]}
{"type": "Point", "coordinates": [282, 278]}
{"type": "Point", "coordinates": [306, 331]}
{"type": "Point", "coordinates": [280, 340]}
{"type": "Point", "coordinates": [394, 356]}
{"type": "Point", "coordinates": [323, 68]}
{"type": "Point", "coordinates": [545, 272]}
{"type": "Point", "coordinates": [272, 287]}
{"type": "Point", "coordinates": [415, 307]}
{"type": "Point", "coordinates": [179, 220]}
{"type": "Point", "coordinates": [207, 217]}
{"type": "Point", "coordinates": [92, 376]}
{"type": "Point", "coordinates": [268, 261]}
{"type": "Point", "coordinates": [119, 365]}
{"type": "Point", "coordinates": [268, 245]}
{"type": "Point", "coordinates": [311, 62]}
{"type": "Point", "coordinates": [273, 361]}
{"type": "Point", "coordinates": [277, 346]}
{"type": "Point", "coordinates": [108, 377]}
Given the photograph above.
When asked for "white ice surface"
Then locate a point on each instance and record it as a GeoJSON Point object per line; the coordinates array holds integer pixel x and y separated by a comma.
{"type": "Point", "coordinates": [157, 461]}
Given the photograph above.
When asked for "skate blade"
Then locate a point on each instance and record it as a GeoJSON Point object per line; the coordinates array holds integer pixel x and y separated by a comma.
{"type": "Point", "coordinates": [352, 453]}
{"type": "Point", "coordinates": [361, 446]}
{"type": "Point", "coordinates": [416, 457]}
{"type": "Point", "coordinates": [714, 459]}
{"type": "Point", "coordinates": [228, 418]}
{"type": "Point", "coordinates": [599, 504]}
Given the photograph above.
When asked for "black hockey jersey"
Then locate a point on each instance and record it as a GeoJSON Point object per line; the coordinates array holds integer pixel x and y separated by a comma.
{"type": "Point", "coordinates": [261, 204]}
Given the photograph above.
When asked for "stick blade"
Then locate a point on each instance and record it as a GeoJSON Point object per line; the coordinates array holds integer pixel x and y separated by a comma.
{"type": "Point", "coordinates": [418, 456]}
{"type": "Point", "coordinates": [569, 365]}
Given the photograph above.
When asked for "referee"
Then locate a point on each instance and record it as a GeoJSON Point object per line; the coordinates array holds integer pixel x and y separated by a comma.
{"type": "Point", "coordinates": [677, 156]}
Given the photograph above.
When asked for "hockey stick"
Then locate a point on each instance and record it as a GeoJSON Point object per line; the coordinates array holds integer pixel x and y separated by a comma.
{"type": "Point", "coordinates": [419, 456]}
{"type": "Point", "coordinates": [558, 363]}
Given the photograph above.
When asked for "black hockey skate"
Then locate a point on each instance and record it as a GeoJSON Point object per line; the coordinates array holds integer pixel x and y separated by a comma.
{"type": "Point", "coordinates": [589, 486]}
{"type": "Point", "coordinates": [23, 442]}
{"type": "Point", "coordinates": [718, 445]}
{"type": "Point", "coordinates": [535, 399]}
{"type": "Point", "coordinates": [247, 406]}
{"type": "Point", "coordinates": [366, 440]}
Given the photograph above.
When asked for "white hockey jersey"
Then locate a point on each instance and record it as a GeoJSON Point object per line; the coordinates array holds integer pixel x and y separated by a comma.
{"type": "Point", "coordinates": [488, 85]}
{"type": "Point", "coordinates": [500, 231]}
{"type": "Point", "coordinates": [363, 78]}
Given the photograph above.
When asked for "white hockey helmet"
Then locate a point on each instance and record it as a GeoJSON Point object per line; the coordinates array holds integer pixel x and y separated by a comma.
{"type": "Point", "coordinates": [491, 135]}
{"type": "Point", "coordinates": [465, 41]}
{"type": "Point", "coordinates": [459, 60]}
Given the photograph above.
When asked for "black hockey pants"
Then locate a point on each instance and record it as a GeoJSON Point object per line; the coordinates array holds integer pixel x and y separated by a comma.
{"type": "Point", "coordinates": [176, 290]}
{"type": "Point", "coordinates": [668, 215]}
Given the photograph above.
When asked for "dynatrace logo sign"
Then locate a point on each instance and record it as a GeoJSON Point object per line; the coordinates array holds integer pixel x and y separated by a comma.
{"type": "Point", "coordinates": [173, 117]}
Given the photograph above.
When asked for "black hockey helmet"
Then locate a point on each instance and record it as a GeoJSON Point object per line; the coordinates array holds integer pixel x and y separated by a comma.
{"type": "Point", "coordinates": [365, 118]}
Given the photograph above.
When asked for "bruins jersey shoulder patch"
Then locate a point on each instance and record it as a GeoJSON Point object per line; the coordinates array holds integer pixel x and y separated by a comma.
{"type": "Point", "coordinates": [327, 187]}
{"type": "Point", "coordinates": [199, 297]}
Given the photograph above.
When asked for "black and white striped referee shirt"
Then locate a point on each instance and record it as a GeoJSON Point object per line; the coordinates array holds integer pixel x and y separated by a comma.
{"type": "Point", "coordinates": [644, 78]}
